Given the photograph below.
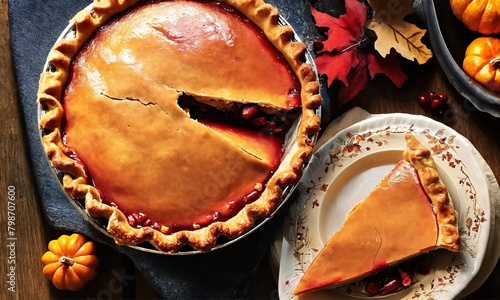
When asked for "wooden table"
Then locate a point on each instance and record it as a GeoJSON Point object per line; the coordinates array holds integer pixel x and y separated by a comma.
{"type": "Point", "coordinates": [33, 233]}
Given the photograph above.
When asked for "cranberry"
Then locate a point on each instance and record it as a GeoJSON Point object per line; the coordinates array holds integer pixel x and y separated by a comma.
{"type": "Point", "coordinates": [131, 220]}
{"type": "Point", "coordinates": [249, 111]}
{"type": "Point", "coordinates": [147, 222]}
{"type": "Point", "coordinates": [435, 104]}
{"type": "Point", "coordinates": [232, 205]}
{"type": "Point", "coordinates": [254, 195]}
{"type": "Point", "coordinates": [371, 288]}
{"type": "Point", "coordinates": [392, 285]}
{"type": "Point", "coordinates": [141, 218]}
{"type": "Point", "coordinates": [438, 101]}
{"type": "Point", "coordinates": [422, 100]}
{"type": "Point", "coordinates": [441, 97]}
{"type": "Point", "coordinates": [259, 121]}
{"type": "Point", "coordinates": [405, 277]}
{"type": "Point", "coordinates": [209, 218]}
{"type": "Point", "coordinates": [156, 226]}
{"type": "Point", "coordinates": [293, 98]}
{"type": "Point", "coordinates": [217, 215]}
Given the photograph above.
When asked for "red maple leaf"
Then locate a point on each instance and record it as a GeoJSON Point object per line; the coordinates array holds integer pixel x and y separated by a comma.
{"type": "Point", "coordinates": [344, 55]}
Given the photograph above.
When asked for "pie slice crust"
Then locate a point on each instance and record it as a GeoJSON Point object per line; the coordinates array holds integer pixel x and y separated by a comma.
{"type": "Point", "coordinates": [53, 87]}
{"type": "Point", "coordinates": [407, 214]}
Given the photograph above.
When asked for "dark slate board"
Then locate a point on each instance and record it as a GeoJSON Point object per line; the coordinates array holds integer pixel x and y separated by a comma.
{"type": "Point", "coordinates": [224, 273]}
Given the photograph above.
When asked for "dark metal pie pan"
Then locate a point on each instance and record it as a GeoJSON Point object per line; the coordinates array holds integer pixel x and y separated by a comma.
{"type": "Point", "coordinates": [101, 224]}
{"type": "Point", "coordinates": [449, 39]}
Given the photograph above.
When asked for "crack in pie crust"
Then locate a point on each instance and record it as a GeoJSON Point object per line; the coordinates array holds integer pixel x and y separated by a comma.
{"type": "Point", "coordinates": [407, 214]}
{"type": "Point", "coordinates": [115, 127]}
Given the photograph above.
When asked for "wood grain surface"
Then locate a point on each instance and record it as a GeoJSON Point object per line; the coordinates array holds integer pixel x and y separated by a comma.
{"type": "Point", "coordinates": [120, 280]}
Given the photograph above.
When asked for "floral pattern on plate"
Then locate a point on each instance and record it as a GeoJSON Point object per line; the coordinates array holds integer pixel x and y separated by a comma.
{"type": "Point", "coordinates": [366, 152]}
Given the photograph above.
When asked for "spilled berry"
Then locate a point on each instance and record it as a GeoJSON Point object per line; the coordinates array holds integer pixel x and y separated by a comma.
{"type": "Point", "coordinates": [435, 101]}
{"type": "Point", "coordinates": [422, 100]}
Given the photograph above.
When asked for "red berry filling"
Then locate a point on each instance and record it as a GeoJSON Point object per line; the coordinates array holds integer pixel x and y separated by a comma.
{"type": "Point", "coordinates": [391, 280]}
{"type": "Point", "coordinates": [139, 220]}
{"type": "Point", "coordinates": [388, 281]}
{"type": "Point", "coordinates": [248, 116]}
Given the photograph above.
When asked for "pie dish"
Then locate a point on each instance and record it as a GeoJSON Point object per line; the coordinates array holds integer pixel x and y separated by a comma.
{"type": "Point", "coordinates": [169, 117]}
{"type": "Point", "coordinates": [407, 214]}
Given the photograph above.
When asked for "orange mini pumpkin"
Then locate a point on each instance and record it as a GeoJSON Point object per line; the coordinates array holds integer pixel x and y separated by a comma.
{"type": "Point", "coordinates": [70, 262]}
{"type": "Point", "coordinates": [482, 62]}
{"type": "Point", "coordinates": [478, 15]}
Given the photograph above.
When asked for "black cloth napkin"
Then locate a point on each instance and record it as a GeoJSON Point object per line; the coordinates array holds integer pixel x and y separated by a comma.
{"type": "Point", "coordinates": [225, 273]}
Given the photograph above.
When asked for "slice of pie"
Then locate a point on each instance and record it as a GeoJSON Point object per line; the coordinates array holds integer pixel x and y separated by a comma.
{"type": "Point", "coordinates": [169, 117]}
{"type": "Point", "coordinates": [407, 214]}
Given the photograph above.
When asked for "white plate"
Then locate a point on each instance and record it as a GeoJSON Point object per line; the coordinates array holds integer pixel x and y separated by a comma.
{"type": "Point", "coordinates": [347, 167]}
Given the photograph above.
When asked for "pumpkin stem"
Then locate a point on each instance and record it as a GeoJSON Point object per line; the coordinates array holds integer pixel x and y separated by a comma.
{"type": "Point", "coordinates": [495, 62]}
{"type": "Point", "coordinates": [66, 260]}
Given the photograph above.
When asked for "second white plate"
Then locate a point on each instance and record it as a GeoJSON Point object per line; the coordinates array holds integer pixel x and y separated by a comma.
{"type": "Point", "coordinates": [347, 167]}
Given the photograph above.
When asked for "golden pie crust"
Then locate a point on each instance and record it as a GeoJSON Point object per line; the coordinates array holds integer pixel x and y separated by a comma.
{"type": "Point", "coordinates": [407, 214]}
{"type": "Point", "coordinates": [238, 155]}
{"type": "Point", "coordinates": [420, 158]}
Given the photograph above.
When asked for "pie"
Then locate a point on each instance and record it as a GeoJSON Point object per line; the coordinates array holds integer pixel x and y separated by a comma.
{"type": "Point", "coordinates": [407, 214]}
{"type": "Point", "coordinates": [170, 118]}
